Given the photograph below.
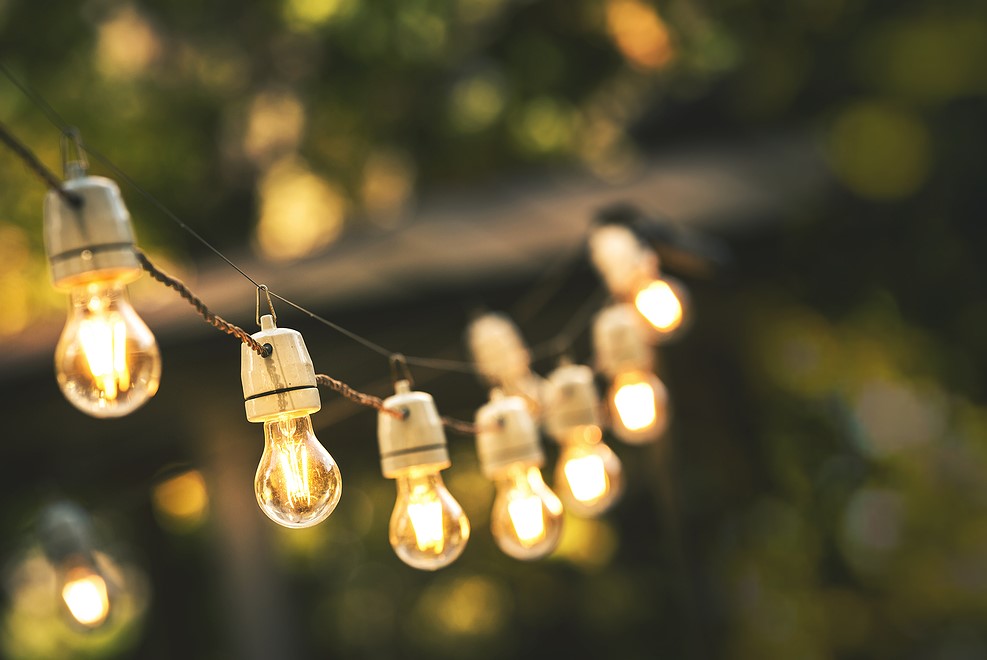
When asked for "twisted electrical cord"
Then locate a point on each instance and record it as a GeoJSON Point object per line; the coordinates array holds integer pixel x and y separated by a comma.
{"type": "Point", "coordinates": [212, 319]}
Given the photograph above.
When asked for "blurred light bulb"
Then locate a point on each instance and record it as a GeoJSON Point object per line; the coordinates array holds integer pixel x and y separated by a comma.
{"type": "Point", "coordinates": [85, 595]}
{"type": "Point", "coordinates": [638, 403]}
{"type": "Point", "coordinates": [297, 482]}
{"type": "Point", "coordinates": [588, 473]}
{"type": "Point", "coordinates": [526, 519]}
{"type": "Point", "coordinates": [107, 361]}
{"type": "Point", "coordinates": [661, 305]}
{"type": "Point", "coordinates": [428, 529]}
{"type": "Point", "coordinates": [87, 582]}
{"type": "Point", "coordinates": [503, 359]}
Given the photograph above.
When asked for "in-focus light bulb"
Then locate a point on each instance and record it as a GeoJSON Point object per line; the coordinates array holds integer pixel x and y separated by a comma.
{"type": "Point", "coordinates": [297, 482]}
{"type": "Point", "coordinates": [428, 528]}
{"type": "Point", "coordinates": [638, 406]}
{"type": "Point", "coordinates": [526, 518]}
{"type": "Point", "coordinates": [85, 595]}
{"type": "Point", "coordinates": [107, 361]}
{"type": "Point", "coordinates": [661, 303]}
{"type": "Point", "coordinates": [588, 474]}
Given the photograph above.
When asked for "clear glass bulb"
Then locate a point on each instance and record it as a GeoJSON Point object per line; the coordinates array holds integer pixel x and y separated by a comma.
{"type": "Point", "coordinates": [428, 528]}
{"type": "Point", "coordinates": [107, 361]}
{"type": "Point", "coordinates": [588, 474]}
{"type": "Point", "coordinates": [298, 482]}
{"type": "Point", "coordinates": [85, 594]}
{"type": "Point", "coordinates": [526, 520]}
{"type": "Point", "coordinates": [638, 407]}
{"type": "Point", "coordinates": [662, 303]}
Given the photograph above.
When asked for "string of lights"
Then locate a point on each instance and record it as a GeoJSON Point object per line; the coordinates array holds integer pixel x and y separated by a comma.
{"type": "Point", "coordinates": [108, 364]}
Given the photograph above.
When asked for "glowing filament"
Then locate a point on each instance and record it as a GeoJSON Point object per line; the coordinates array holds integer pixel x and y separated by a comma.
{"type": "Point", "coordinates": [527, 519]}
{"type": "Point", "coordinates": [658, 303]}
{"type": "Point", "coordinates": [104, 344]}
{"type": "Point", "coordinates": [635, 404]}
{"type": "Point", "coordinates": [85, 595]}
{"type": "Point", "coordinates": [587, 477]}
{"type": "Point", "coordinates": [294, 467]}
{"type": "Point", "coordinates": [425, 512]}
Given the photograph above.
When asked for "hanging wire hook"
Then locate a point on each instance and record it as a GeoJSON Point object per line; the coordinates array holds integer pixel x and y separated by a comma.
{"type": "Point", "coordinates": [400, 370]}
{"type": "Point", "coordinates": [270, 304]}
{"type": "Point", "coordinates": [75, 163]}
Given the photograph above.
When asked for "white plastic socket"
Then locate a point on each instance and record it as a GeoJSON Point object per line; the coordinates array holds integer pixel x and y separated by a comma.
{"type": "Point", "coordinates": [571, 400]}
{"type": "Point", "coordinates": [282, 383]}
{"type": "Point", "coordinates": [621, 259]}
{"type": "Point", "coordinates": [416, 438]}
{"type": "Point", "coordinates": [499, 351]}
{"type": "Point", "coordinates": [621, 341]}
{"type": "Point", "coordinates": [92, 242]}
{"type": "Point", "coordinates": [506, 434]}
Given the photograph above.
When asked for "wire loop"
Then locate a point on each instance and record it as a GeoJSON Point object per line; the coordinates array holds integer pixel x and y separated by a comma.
{"type": "Point", "coordinates": [399, 369]}
{"type": "Point", "coordinates": [270, 304]}
{"type": "Point", "coordinates": [75, 162]}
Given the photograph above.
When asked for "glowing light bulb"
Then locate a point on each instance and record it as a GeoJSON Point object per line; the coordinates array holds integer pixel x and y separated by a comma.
{"type": "Point", "coordinates": [85, 595]}
{"type": "Point", "coordinates": [526, 519]}
{"type": "Point", "coordinates": [297, 483]}
{"type": "Point", "coordinates": [660, 302]}
{"type": "Point", "coordinates": [503, 359]}
{"type": "Point", "coordinates": [588, 473]}
{"type": "Point", "coordinates": [428, 529]}
{"type": "Point", "coordinates": [638, 404]}
{"type": "Point", "coordinates": [87, 582]}
{"type": "Point", "coordinates": [107, 361]}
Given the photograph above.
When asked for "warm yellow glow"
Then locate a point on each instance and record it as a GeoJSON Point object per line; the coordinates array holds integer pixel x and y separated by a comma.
{"type": "Point", "coordinates": [274, 126]}
{"type": "Point", "coordinates": [107, 360]}
{"type": "Point", "coordinates": [181, 501]}
{"type": "Point", "coordinates": [640, 33]}
{"type": "Point", "coordinates": [658, 303]}
{"type": "Point", "coordinates": [527, 519]}
{"type": "Point", "coordinates": [127, 44]}
{"type": "Point", "coordinates": [635, 404]}
{"type": "Point", "coordinates": [587, 477]}
{"type": "Point", "coordinates": [301, 212]}
{"type": "Point", "coordinates": [428, 528]}
{"type": "Point", "coordinates": [425, 512]}
{"type": "Point", "coordinates": [85, 595]}
{"type": "Point", "coordinates": [297, 482]}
